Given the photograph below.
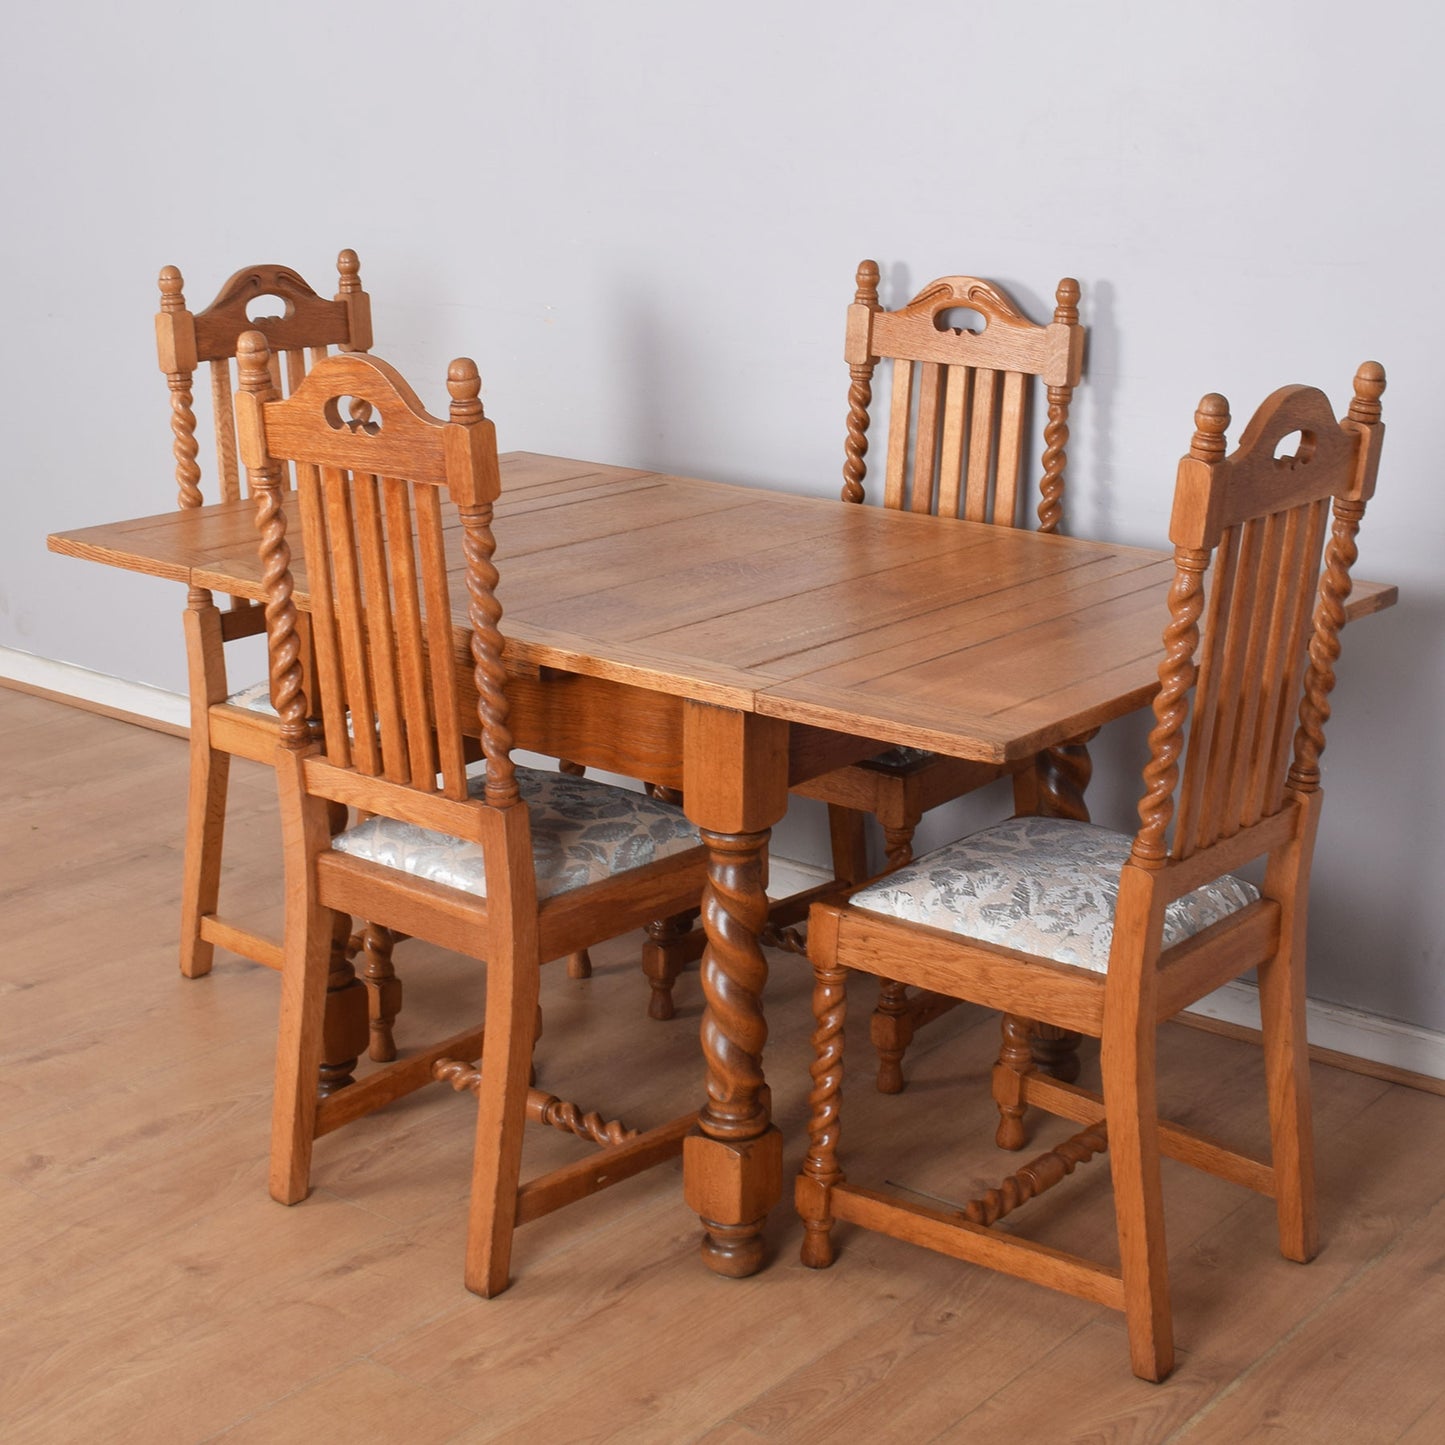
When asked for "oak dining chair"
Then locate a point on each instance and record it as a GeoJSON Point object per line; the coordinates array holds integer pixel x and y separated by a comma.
{"type": "Point", "coordinates": [1084, 929]}
{"type": "Point", "coordinates": [226, 720]}
{"type": "Point", "coordinates": [512, 866]}
{"type": "Point", "coordinates": [964, 360]}
{"type": "Point", "coordinates": [965, 363]}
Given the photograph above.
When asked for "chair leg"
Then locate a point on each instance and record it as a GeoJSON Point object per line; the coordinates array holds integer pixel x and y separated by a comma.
{"type": "Point", "coordinates": [579, 964]}
{"type": "Point", "coordinates": [662, 962]}
{"type": "Point", "coordinates": [1287, 1077]}
{"type": "Point", "coordinates": [210, 771]}
{"type": "Point", "coordinates": [511, 1025]}
{"type": "Point", "coordinates": [1015, 1060]}
{"type": "Point", "coordinates": [848, 840]}
{"type": "Point", "coordinates": [311, 940]}
{"type": "Point", "coordinates": [820, 1168]}
{"type": "Point", "coordinates": [383, 990]}
{"type": "Point", "coordinates": [898, 843]}
{"type": "Point", "coordinates": [1132, 1113]}
{"type": "Point", "coordinates": [891, 1031]}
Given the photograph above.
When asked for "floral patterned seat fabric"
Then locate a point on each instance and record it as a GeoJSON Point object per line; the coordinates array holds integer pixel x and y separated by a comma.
{"type": "Point", "coordinates": [582, 831]}
{"type": "Point", "coordinates": [1045, 886]}
{"type": "Point", "coordinates": [256, 698]}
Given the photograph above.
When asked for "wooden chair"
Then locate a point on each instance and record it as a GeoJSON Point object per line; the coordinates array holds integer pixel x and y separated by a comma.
{"type": "Point", "coordinates": [957, 445]}
{"type": "Point", "coordinates": [229, 721]}
{"type": "Point", "coordinates": [1114, 937]}
{"type": "Point", "coordinates": [513, 867]}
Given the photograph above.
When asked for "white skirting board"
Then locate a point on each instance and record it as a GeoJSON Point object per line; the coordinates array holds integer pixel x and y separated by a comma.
{"type": "Point", "coordinates": [1331, 1026]}
{"type": "Point", "coordinates": [69, 680]}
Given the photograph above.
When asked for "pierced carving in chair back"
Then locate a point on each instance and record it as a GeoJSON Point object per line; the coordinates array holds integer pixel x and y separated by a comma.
{"type": "Point", "coordinates": [958, 413]}
{"type": "Point", "coordinates": [299, 336]}
{"type": "Point", "coordinates": [1261, 517]}
{"type": "Point", "coordinates": [369, 493]}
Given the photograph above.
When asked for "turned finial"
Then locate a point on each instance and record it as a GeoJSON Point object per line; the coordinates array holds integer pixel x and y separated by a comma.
{"type": "Point", "coordinates": [1211, 421]}
{"type": "Point", "coordinates": [348, 267]}
{"type": "Point", "coordinates": [253, 361]}
{"type": "Point", "coordinates": [867, 279]}
{"type": "Point", "coordinates": [1066, 312]}
{"type": "Point", "coordinates": [1369, 387]}
{"type": "Point", "coordinates": [465, 385]}
{"type": "Point", "coordinates": [171, 283]}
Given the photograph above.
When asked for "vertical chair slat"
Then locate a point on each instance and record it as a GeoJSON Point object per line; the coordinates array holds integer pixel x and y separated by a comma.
{"type": "Point", "coordinates": [1280, 627]}
{"type": "Point", "coordinates": [925, 446]}
{"type": "Point", "coordinates": [380, 633]}
{"type": "Point", "coordinates": [895, 480]}
{"type": "Point", "coordinates": [446, 703]}
{"type": "Point", "coordinates": [323, 615]}
{"type": "Point", "coordinates": [410, 645]}
{"type": "Point", "coordinates": [955, 431]}
{"type": "Point", "coordinates": [295, 369]}
{"type": "Point", "coordinates": [349, 604]}
{"type": "Point", "coordinates": [1266, 587]}
{"type": "Point", "coordinates": [980, 446]}
{"type": "Point", "coordinates": [1011, 421]}
{"type": "Point", "coordinates": [1233, 646]}
{"type": "Point", "coordinates": [1206, 694]}
{"type": "Point", "coordinates": [225, 420]}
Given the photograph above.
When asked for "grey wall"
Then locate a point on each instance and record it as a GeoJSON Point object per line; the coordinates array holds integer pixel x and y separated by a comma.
{"type": "Point", "coordinates": [642, 218]}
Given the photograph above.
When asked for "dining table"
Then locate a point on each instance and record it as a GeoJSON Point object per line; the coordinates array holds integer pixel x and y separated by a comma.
{"type": "Point", "coordinates": [733, 642]}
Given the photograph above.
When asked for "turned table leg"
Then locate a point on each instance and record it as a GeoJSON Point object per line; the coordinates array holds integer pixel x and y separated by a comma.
{"type": "Point", "coordinates": [733, 1165]}
{"type": "Point", "coordinates": [735, 788]}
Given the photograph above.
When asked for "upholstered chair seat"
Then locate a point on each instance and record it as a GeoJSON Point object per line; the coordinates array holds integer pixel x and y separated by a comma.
{"type": "Point", "coordinates": [582, 832]}
{"type": "Point", "coordinates": [1043, 886]}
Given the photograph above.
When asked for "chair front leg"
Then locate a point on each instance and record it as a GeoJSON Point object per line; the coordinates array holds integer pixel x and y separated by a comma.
{"type": "Point", "coordinates": [663, 958]}
{"type": "Point", "coordinates": [820, 1168]}
{"type": "Point", "coordinates": [314, 936]}
{"type": "Point", "coordinates": [891, 1031]}
{"type": "Point", "coordinates": [512, 1023]}
{"type": "Point", "coordinates": [1015, 1060]}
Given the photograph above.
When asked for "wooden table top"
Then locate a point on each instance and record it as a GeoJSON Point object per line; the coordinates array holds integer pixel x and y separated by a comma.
{"type": "Point", "coordinates": [980, 641]}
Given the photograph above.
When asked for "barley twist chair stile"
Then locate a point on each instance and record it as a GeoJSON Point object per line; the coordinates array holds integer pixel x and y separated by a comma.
{"type": "Point", "coordinates": [512, 866]}
{"type": "Point", "coordinates": [226, 721]}
{"type": "Point", "coordinates": [1083, 929]}
{"type": "Point", "coordinates": [957, 446]}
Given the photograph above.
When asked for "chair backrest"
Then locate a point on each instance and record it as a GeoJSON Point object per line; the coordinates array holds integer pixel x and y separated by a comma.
{"type": "Point", "coordinates": [1244, 689]}
{"type": "Point", "coordinates": [958, 415]}
{"type": "Point", "coordinates": [370, 493]}
{"type": "Point", "coordinates": [299, 336]}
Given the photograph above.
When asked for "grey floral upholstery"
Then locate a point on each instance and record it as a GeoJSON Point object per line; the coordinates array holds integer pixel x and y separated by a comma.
{"type": "Point", "coordinates": [1045, 886]}
{"type": "Point", "coordinates": [256, 698]}
{"type": "Point", "coordinates": [582, 832]}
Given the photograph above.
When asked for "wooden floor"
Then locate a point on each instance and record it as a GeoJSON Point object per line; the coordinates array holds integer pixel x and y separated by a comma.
{"type": "Point", "coordinates": [150, 1291]}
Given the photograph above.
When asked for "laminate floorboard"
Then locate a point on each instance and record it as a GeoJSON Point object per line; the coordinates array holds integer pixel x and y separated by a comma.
{"type": "Point", "coordinates": [151, 1291]}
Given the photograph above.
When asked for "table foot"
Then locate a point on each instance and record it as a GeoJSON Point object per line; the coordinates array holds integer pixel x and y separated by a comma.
{"type": "Point", "coordinates": [731, 1186]}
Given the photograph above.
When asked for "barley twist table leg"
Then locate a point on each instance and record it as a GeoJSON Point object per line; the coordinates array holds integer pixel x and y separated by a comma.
{"type": "Point", "coordinates": [733, 1165]}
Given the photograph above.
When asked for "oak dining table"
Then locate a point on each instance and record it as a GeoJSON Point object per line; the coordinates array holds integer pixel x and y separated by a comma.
{"type": "Point", "coordinates": [733, 642]}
